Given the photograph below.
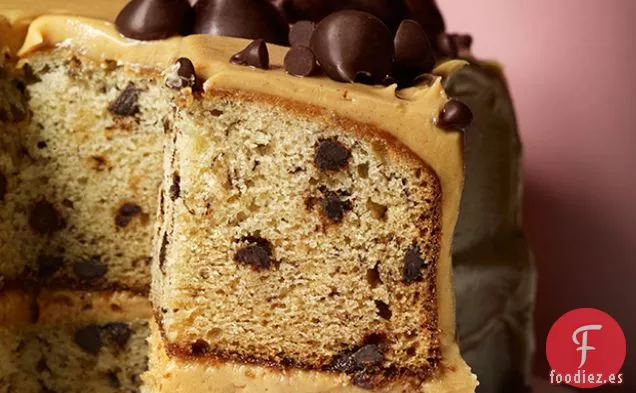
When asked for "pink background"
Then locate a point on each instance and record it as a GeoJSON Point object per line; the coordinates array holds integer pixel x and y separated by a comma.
{"type": "Point", "coordinates": [571, 65]}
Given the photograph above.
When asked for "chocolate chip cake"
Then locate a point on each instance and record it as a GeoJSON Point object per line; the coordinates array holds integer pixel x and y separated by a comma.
{"type": "Point", "coordinates": [75, 342]}
{"type": "Point", "coordinates": [303, 230]}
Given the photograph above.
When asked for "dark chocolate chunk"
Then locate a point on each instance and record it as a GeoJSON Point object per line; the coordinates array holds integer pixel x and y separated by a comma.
{"type": "Point", "coordinates": [126, 213]}
{"type": "Point", "coordinates": [384, 311]}
{"type": "Point", "coordinates": [152, 19]}
{"type": "Point", "coordinates": [89, 339]}
{"type": "Point", "coordinates": [44, 218]}
{"type": "Point", "coordinates": [454, 116]}
{"type": "Point", "coordinates": [49, 265]}
{"type": "Point", "coordinates": [447, 46]}
{"type": "Point", "coordinates": [186, 76]}
{"type": "Point", "coordinates": [256, 252]}
{"type": "Point", "coordinates": [255, 19]}
{"type": "Point", "coordinates": [113, 379]}
{"type": "Point", "coordinates": [200, 348]}
{"type": "Point", "coordinates": [126, 103]}
{"type": "Point", "coordinates": [331, 155]}
{"type": "Point", "coordinates": [413, 265]}
{"type": "Point", "coordinates": [117, 333]}
{"type": "Point", "coordinates": [254, 55]}
{"type": "Point", "coordinates": [175, 187]}
{"type": "Point", "coordinates": [353, 46]}
{"type": "Point", "coordinates": [426, 13]}
{"type": "Point", "coordinates": [30, 77]}
{"type": "Point", "coordinates": [300, 61]}
{"type": "Point", "coordinates": [300, 33]}
{"type": "Point", "coordinates": [3, 186]}
{"type": "Point", "coordinates": [90, 269]}
{"type": "Point", "coordinates": [413, 52]}
{"type": "Point", "coordinates": [335, 208]}
{"type": "Point", "coordinates": [369, 357]}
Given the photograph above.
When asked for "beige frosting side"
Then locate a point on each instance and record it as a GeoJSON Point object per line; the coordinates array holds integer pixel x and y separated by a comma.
{"type": "Point", "coordinates": [172, 375]}
{"type": "Point", "coordinates": [409, 117]}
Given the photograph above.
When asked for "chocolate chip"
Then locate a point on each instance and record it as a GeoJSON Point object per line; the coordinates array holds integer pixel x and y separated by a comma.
{"type": "Point", "coordinates": [254, 55]}
{"type": "Point", "coordinates": [384, 311]}
{"type": "Point", "coordinates": [152, 19]}
{"type": "Point", "coordinates": [175, 187]}
{"type": "Point", "coordinates": [446, 45]}
{"type": "Point", "coordinates": [331, 155]}
{"type": "Point", "coordinates": [334, 208]}
{"type": "Point", "coordinates": [117, 333]}
{"type": "Point", "coordinates": [300, 61]}
{"type": "Point", "coordinates": [369, 357]}
{"type": "Point", "coordinates": [413, 52]}
{"type": "Point", "coordinates": [3, 186]}
{"type": "Point", "coordinates": [89, 339]}
{"type": "Point", "coordinates": [257, 253]}
{"type": "Point", "coordinates": [126, 213]}
{"type": "Point", "coordinates": [427, 14]}
{"type": "Point", "coordinates": [44, 218]}
{"type": "Point", "coordinates": [49, 265]}
{"type": "Point", "coordinates": [241, 18]}
{"type": "Point", "coordinates": [126, 103]}
{"type": "Point", "coordinates": [413, 265]}
{"type": "Point", "coordinates": [200, 348]}
{"type": "Point", "coordinates": [300, 33]}
{"type": "Point", "coordinates": [113, 379]}
{"type": "Point", "coordinates": [90, 269]}
{"type": "Point", "coordinates": [185, 77]}
{"type": "Point", "coordinates": [29, 75]}
{"type": "Point", "coordinates": [353, 46]}
{"type": "Point", "coordinates": [390, 11]}
{"type": "Point", "coordinates": [454, 116]}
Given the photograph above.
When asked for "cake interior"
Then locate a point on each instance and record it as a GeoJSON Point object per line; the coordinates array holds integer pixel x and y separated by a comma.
{"type": "Point", "coordinates": [292, 238]}
{"type": "Point", "coordinates": [82, 169]}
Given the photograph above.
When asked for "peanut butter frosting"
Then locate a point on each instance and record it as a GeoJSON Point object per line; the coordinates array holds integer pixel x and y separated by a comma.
{"type": "Point", "coordinates": [407, 114]}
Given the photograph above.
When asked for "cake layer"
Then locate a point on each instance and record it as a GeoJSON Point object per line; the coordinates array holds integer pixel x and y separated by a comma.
{"type": "Point", "coordinates": [340, 254]}
{"type": "Point", "coordinates": [177, 375]}
{"type": "Point", "coordinates": [81, 189]}
{"type": "Point", "coordinates": [80, 342]}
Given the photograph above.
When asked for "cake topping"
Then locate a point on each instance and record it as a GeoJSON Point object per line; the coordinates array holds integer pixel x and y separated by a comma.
{"type": "Point", "coordinates": [454, 45]}
{"type": "Point", "coordinates": [152, 19]}
{"type": "Point", "coordinates": [241, 18]}
{"type": "Point", "coordinates": [426, 13]}
{"type": "Point", "coordinates": [300, 61]}
{"type": "Point", "coordinates": [413, 52]}
{"type": "Point", "coordinates": [301, 32]}
{"type": "Point", "coordinates": [257, 253]}
{"type": "Point", "coordinates": [454, 116]}
{"type": "Point", "coordinates": [3, 186]}
{"type": "Point", "coordinates": [48, 265]}
{"type": "Point", "coordinates": [331, 155]}
{"type": "Point", "coordinates": [126, 103]}
{"type": "Point", "coordinates": [254, 55]}
{"type": "Point", "coordinates": [413, 265]}
{"type": "Point", "coordinates": [90, 269]}
{"type": "Point", "coordinates": [117, 333]}
{"type": "Point", "coordinates": [335, 208]}
{"type": "Point", "coordinates": [89, 339]}
{"type": "Point", "coordinates": [45, 219]}
{"type": "Point", "coordinates": [126, 213]}
{"type": "Point", "coordinates": [353, 46]}
{"type": "Point", "coordinates": [185, 76]}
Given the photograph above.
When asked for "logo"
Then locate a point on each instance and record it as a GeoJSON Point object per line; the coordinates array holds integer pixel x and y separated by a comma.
{"type": "Point", "coordinates": [586, 348]}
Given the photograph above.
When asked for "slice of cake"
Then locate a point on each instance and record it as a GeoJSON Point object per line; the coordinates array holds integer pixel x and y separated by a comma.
{"type": "Point", "coordinates": [77, 342]}
{"type": "Point", "coordinates": [80, 166]}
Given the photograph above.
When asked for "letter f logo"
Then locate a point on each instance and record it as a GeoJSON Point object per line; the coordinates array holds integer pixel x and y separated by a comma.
{"type": "Point", "coordinates": [583, 344]}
